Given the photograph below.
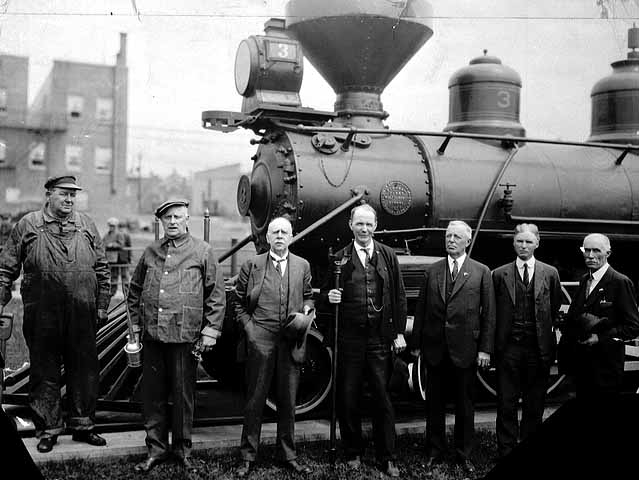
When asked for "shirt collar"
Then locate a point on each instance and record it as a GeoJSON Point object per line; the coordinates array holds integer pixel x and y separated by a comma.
{"type": "Point", "coordinates": [49, 217]}
{"type": "Point", "coordinates": [370, 247]}
{"type": "Point", "coordinates": [275, 257]}
{"type": "Point", "coordinates": [460, 260]}
{"type": "Point", "coordinates": [597, 274]}
{"type": "Point", "coordinates": [530, 262]}
{"type": "Point", "coordinates": [178, 241]}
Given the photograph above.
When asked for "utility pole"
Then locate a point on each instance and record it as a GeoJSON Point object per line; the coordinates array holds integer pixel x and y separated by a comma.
{"type": "Point", "coordinates": [139, 168]}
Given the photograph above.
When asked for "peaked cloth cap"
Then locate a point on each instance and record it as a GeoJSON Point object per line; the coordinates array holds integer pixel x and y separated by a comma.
{"type": "Point", "coordinates": [66, 181]}
{"type": "Point", "coordinates": [161, 210]}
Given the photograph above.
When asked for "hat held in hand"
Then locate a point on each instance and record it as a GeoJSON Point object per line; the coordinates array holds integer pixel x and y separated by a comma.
{"type": "Point", "coordinates": [296, 330]}
{"type": "Point", "coordinates": [589, 322]}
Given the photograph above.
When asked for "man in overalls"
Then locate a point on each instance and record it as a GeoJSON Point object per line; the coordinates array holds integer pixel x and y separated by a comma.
{"type": "Point", "coordinates": [65, 292]}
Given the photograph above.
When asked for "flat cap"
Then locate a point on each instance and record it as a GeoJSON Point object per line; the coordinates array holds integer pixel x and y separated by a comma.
{"type": "Point", "coordinates": [66, 181]}
{"type": "Point", "coordinates": [168, 204]}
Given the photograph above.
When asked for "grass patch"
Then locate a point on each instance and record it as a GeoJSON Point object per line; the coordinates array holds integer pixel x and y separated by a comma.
{"type": "Point", "coordinates": [410, 460]}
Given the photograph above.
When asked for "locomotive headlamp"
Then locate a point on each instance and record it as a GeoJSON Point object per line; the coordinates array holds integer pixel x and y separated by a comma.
{"type": "Point", "coordinates": [269, 69]}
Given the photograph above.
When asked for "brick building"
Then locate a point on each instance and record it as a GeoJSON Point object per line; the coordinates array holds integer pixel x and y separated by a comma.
{"type": "Point", "coordinates": [77, 124]}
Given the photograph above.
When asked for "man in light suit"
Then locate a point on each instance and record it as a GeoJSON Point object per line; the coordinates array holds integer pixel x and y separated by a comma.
{"type": "Point", "coordinates": [602, 315]}
{"type": "Point", "coordinates": [270, 287]}
{"type": "Point", "coordinates": [528, 295]}
{"type": "Point", "coordinates": [454, 329]}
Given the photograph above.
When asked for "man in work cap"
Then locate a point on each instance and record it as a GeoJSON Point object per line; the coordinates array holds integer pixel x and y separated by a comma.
{"type": "Point", "coordinates": [66, 295]}
{"type": "Point", "coordinates": [118, 251]}
{"type": "Point", "coordinates": [176, 300]}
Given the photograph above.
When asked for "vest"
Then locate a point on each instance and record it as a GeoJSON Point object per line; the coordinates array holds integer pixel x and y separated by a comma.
{"type": "Point", "coordinates": [362, 297]}
{"type": "Point", "coordinates": [449, 282]}
{"type": "Point", "coordinates": [524, 329]}
{"type": "Point", "coordinates": [271, 309]}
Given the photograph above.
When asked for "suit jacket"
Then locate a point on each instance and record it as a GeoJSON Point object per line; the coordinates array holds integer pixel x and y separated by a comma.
{"type": "Point", "coordinates": [251, 277]}
{"type": "Point", "coordinates": [613, 299]}
{"type": "Point", "coordinates": [547, 294]}
{"type": "Point", "coordinates": [465, 324]}
{"type": "Point", "coordinates": [393, 293]}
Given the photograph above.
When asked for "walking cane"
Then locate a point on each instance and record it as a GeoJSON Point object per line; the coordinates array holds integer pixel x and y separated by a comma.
{"type": "Point", "coordinates": [337, 270]}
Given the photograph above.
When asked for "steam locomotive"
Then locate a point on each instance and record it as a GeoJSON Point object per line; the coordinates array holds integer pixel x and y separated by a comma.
{"type": "Point", "coordinates": [314, 166]}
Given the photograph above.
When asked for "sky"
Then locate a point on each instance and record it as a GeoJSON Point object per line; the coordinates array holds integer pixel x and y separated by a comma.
{"type": "Point", "coordinates": [181, 56]}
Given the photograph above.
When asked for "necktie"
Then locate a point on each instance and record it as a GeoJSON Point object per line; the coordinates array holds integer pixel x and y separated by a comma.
{"type": "Point", "coordinates": [278, 266]}
{"type": "Point", "coordinates": [455, 270]}
{"type": "Point", "coordinates": [588, 284]}
{"type": "Point", "coordinates": [367, 257]}
{"type": "Point", "coordinates": [526, 279]}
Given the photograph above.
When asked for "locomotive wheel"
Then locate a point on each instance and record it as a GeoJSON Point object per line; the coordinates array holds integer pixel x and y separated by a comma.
{"type": "Point", "coordinates": [315, 375]}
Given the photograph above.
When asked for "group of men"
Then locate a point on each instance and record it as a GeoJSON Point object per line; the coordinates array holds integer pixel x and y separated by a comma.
{"type": "Point", "coordinates": [466, 317]}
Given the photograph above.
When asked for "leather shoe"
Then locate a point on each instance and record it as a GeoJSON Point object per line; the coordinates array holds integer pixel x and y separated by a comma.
{"type": "Point", "coordinates": [46, 444]}
{"type": "Point", "coordinates": [89, 437]}
{"type": "Point", "coordinates": [147, 464]}
{"type": "Point", "coordinates": [297, 468]}
{"type": "Point", "coordinates": [354, 463]}
{"type": "Point", "coordinates": [245, 469]}
{"type": "Point", "coordinates": [390, 469]}
{"type": "Point", "coordinates": [467, 466]}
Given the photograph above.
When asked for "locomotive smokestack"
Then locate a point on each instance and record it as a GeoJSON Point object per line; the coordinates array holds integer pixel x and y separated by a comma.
{"type": "Point", "coordinates": [359, 46]}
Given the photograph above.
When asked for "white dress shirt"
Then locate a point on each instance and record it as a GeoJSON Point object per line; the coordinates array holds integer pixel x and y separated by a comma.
{"type": "Point", "coordinates": [361, 254]}
{"type": "Point", "coordinates": [596, 276]}
{"type": "Point", "coordinates": [460, 262]}
{"type": "Point", "coordinates": [531, 267]}
{"type": "Point", "coordinates": [283, 263]}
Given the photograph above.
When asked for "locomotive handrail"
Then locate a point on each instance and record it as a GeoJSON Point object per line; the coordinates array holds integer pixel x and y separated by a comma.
{"type": "Point", "coordinates": [329, 216]}
{"type": "Point", "coordinates": [235, 248]}
{"type": "Point", "coordinates": [479, 136]}
{"type": "Point", "coordinates": [493, 189]}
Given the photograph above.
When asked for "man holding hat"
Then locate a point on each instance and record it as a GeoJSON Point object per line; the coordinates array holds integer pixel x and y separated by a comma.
{"type": "Point", "coordinates": [117, 244]}
{"type": "Point", "coordinates": [176, 300]}
{"type": "Point", "coordinates": [602, 315]}
{"type": "Point", "coordinates": [272, 288]}
{"type": "Point", "coordinates": [65, 292]}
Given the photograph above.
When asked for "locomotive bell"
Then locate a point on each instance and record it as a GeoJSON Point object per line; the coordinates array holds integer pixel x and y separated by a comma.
{"type": "Point", "coordinates": [269, 69]}
{"type": "Point", "coordinates": [484, 98]}
{"type": "Point", "coordinates": [615, 99]}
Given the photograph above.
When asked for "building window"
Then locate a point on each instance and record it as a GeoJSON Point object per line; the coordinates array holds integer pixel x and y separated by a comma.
{"type": "Point", "coordinates": [102, 160]}
{"type": "Point", "coordinates": [36, 156]}
{"type": "Point", "coordinates": [75, 104]}
{"type": "Point", "coordinates": [3, 153]}
{"type": "Point", "coordinates": [104, 109]}
{"type": "Point", "coordinates": [73, 158]}
{"type": "Point", "coordinates": [3, 101]}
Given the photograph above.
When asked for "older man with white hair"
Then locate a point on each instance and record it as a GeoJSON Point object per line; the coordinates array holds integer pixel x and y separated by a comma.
{"type": "Point", "coordinates": [602, 315]}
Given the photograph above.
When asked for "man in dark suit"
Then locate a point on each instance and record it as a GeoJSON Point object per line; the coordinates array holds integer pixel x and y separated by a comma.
{"type": "Point", "coordinates": [528, 295]}
{"type": "Point", "coordinates": [454, 329]}
{"type": "Point", "coordinates": [372, 321]}
{"type": "Point", "coordinates": [601, 317]}
{"type": "Point", "coordinates": [270, 287]}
